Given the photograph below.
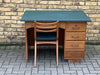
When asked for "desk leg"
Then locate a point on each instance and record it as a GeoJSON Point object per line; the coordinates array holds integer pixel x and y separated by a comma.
{"type": "Point", "coordinates": [26, 43]}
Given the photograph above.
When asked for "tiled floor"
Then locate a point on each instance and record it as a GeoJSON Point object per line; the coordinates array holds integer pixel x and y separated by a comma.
{"type": "Point", "coordinates": [12, 62]}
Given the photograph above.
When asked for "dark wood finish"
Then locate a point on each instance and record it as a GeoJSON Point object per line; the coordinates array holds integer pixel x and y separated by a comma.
{"type": "Point", "coordinates": [75, 36]}
{"type": "Point", "coordinates": [61, 36]}
{"type": "Point", "coordinates": [46, 27]}
{"type": "Point", "coordinates": [30, 36]}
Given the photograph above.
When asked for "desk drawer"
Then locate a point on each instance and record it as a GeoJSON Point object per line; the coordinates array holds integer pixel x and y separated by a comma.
{"type": "Point", "coordinates": [29, 24]}
{"type": "Point", "coordinates": [74, 49]}
{"type": "Point", "coordinates": [76, 26]}
{"type": "Point", "coordinates": [75, 44]}
{"type": "Point", "coordinates": [73, 55]}
{"type": "Point", "coordinates": [75, 36]}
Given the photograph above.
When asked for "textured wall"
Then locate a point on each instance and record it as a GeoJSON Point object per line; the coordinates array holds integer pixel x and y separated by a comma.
{"type": "Point", "coordinates": [11, 11]}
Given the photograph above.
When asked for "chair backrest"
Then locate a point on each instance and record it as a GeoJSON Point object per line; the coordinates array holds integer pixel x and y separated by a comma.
{"type": "Point", "coordinates": [46, 27]}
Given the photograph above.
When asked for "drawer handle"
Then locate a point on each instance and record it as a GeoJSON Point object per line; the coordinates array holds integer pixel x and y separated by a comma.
{"type": "Point", "coordinates": [75, 54]}
{"type": "Point", "coordinates": [74, 45]}
{"type": "Point", "coordinates": [75, 28]}
{"type": "Point", "coordinates": [75, 36]}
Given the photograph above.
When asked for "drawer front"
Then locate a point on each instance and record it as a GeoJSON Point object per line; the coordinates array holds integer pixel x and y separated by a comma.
{"type": "Point", "coordinates": [76, 26]}
{"type": "Point", "coordinates": [75, 36]}
{"type": "Point", "coordinates": [73, 50]}
{"type": "Point", "coordinates": [73, 55]}
{"type": "Point", "coordinates": [75, 44]}
{"type": "Point", "coordinates": [29, 24]}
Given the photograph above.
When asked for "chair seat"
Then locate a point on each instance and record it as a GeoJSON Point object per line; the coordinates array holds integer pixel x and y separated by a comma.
{"type": "Point", "coordinates": [46, 36]}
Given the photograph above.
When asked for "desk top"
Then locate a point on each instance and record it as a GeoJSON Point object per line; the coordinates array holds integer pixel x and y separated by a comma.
{"type": "Point", "coordinates": [55, 16]}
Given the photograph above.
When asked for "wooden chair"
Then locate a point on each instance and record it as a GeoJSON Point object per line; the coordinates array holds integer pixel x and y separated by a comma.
{"type": "Point", "coordinates": [46, 33]}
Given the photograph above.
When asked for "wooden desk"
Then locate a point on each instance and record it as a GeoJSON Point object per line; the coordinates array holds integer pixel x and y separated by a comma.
{"type": "Point", "coordinates": [72, 30]}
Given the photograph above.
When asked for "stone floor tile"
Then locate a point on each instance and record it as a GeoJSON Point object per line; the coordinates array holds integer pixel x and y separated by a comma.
{"type": "Point", "coordinates": [28, 72]}
{"type": "Point", "coordinates": [10, 74]}
{"type": "Point", "coordinates": [13, 62]}
{"type": "Point", "coordinates": [90, 74]}
{"type": "Point", "coordinates": [37, 74]}
{"type": "Point", "coordinates": [18, 71]}
{"type": "Point", "coordinates": [85, 70]}
{"type": "Point", "coordinates": [9, 70]}
{"type": "Point", "coordinates": [90, 67]}
{"type": "Point", "coordinates": [53, 72]}
{"type": "Point", "coordinates": [73, 74]}
{"type": "Point", "coordinates": [54, 69]}
{"type": "Point", "coordinates": [20, 74]}
{"type": "Point", "coordinates": [47, 74]}
{"type": "Point", "coordinates": [95, 65]}
{"type": "Point", "coordinates": [95, 72]}
{"type": "Point", "coordinates": [2, 72]}
{"type": "Point", "coordinates": [69, 71]}
{"type": "Point", "coordinates": [64, 74]}
{"type": "Point", "coordinates": [75, 68]}
{"type": "Point", "coordinates": [79, 72]}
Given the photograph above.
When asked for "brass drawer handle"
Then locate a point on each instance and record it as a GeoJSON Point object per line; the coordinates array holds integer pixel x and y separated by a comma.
{"type": "Point", "coordinates": [75, 36]}
{"type": "Point", "coordinates": [74, 45]}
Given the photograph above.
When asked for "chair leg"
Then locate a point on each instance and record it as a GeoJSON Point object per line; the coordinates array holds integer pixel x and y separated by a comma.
{"type": "Point", "coordinates": [36, 51]}
{"type": "Point", "coordinates": [35, 54]}
{"type": "Point", "coordinates": [57, 53]}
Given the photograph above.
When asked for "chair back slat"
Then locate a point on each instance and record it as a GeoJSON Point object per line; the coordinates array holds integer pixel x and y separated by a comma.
{"type": "Point", "coordinates": [53, 30]}
{"type": "Point", "coordinates": [45, 27]}
{"type": "Point", "coordinates": [53, 23]}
